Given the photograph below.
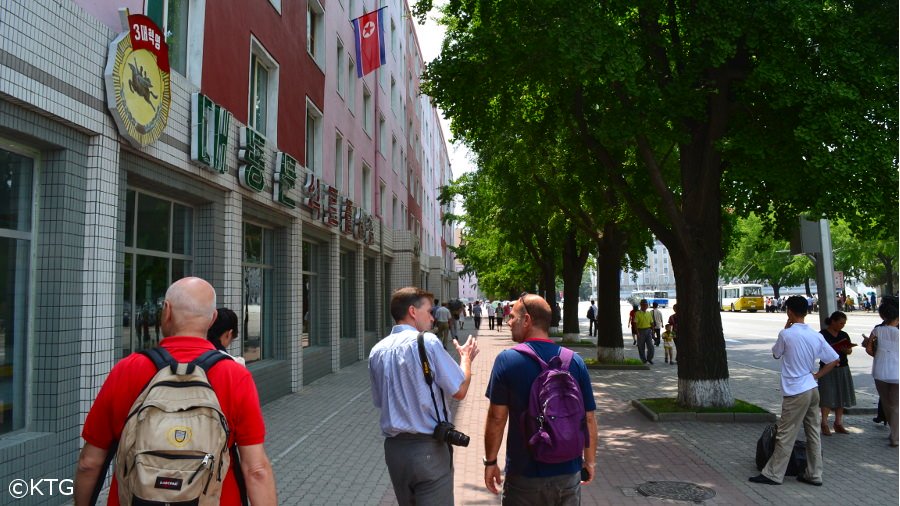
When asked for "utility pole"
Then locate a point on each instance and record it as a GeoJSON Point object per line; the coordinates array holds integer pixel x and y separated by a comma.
{"type": "Point", "coordinates": [813, 237]}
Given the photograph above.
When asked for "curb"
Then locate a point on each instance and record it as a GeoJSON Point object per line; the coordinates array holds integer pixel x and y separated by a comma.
{"type": "Point", "coordinates": [618, 367]}
{"type": "Point", "coordinates": [704, 417]}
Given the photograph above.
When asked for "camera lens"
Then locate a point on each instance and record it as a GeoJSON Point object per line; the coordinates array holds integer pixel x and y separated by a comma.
{"type": "Point", "coordinates": [457, 438]}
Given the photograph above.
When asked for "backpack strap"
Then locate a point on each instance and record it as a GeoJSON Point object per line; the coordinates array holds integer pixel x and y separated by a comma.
{"type": "Point", "coordinates": [524, 349]}
{"type": "Point", "coordinates": [209, 359]}
{"type": "Point", "coordinates": [160, 358]}
{"type": "Point", "coordinates": [565, 355]}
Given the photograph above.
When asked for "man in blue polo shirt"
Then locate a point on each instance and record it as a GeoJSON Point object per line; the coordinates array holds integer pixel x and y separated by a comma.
{"type": "Point", "coordinates": [528, 481]}
{"type": "Point", "coordinates": [420, 466]}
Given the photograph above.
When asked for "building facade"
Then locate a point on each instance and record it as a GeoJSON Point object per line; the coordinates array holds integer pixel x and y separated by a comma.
{"type": "Point", "coordinates": [297, 189]}
{"type": "Point", "coordinates": [656, 275]}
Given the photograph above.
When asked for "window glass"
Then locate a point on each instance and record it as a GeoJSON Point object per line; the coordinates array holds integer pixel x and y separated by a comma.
{"type": "Point", "coordinates": [259, 82]}
{"type": "Point", "coordinates": [176, 34]}
{"type": "Point", "coordinates": [347, 280]}
{"type": "Point", "coordinates": [311, 336]}
{"type": "Point", "coordinates": [162, 235]}
{"type": "Point", "coordinates": [153, 223]}
{"type": "Point", "coordinates": [16, 179]}
{"type": "Point", "coordinates": [256, 311]}
{"type": "Point", "coordinates": [369, 306]}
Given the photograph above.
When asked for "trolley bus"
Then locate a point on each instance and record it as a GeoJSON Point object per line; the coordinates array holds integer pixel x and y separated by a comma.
{"type": "Point", "coordinates": [658, 296]}
{"type": "Point", "coordinates": [741, 297]}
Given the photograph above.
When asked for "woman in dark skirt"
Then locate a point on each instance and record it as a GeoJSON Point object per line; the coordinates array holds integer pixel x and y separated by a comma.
{"type": "Point", "coordinates": [836, 390]}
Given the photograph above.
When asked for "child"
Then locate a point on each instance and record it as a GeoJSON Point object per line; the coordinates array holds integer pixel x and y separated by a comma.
{"type": "Point", "coordinates": [668, 343]}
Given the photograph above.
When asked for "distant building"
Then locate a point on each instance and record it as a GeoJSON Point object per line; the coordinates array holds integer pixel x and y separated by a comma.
{"type": "Point", "coordinates": [658, 274]}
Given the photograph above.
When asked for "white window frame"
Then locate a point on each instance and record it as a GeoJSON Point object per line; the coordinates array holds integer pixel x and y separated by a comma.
{"type": "Point", "coordinates": [351, 179]}
{"type": "Point", "coordinates": [311, 110]}
{"type": "Point", "coordinates": [196, 23]}
{"type": "Point", "coordinates": [339, 161]}
{"type": "Point", "coordinates": [351, 85]}
{"type": "Point", "coordinates": [341, 68]}
{"type": "Point", "coordinates": [382, 126]}
{"type": "Point", "coordinates": [271, 65]}
{"type": "Point", "coordinates": [277, 5]}
{"type": "Point", "coordinates": [366, 187]}
{"type": "Point", "coordinates": [368, 115]}
{"type": "Point", "coordinates": [315, 23]}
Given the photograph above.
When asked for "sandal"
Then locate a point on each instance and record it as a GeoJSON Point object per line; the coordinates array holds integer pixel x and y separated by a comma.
{"type": "Point", "coordinates": [825, 430]}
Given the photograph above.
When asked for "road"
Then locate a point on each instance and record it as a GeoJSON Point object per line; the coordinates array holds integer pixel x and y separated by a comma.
{"type": "Point", "coordinates": [749, 338]}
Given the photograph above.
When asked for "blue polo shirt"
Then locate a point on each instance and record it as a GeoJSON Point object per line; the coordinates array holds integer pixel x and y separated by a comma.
{"type": "Point", "coordinates": [510, 385]}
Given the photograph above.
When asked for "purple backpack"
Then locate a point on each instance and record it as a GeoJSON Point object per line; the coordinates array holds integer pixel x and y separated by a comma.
{"type": "Point", "coordinates": [554, 423]}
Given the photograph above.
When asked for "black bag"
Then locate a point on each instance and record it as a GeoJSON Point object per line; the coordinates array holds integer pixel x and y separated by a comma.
{"type": "Point", "coordinates": [765, 447]}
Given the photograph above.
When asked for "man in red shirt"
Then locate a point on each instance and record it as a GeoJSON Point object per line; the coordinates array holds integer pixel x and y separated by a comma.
{"type": "Point", "coordinates": [188, 311]}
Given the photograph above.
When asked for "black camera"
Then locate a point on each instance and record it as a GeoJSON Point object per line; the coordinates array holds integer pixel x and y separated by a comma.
{"type": "Point", "coordinates": [446, 432]}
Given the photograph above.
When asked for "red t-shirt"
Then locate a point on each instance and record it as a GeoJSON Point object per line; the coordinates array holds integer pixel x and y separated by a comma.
{"type": "Point", "coordinates": [231, 381]}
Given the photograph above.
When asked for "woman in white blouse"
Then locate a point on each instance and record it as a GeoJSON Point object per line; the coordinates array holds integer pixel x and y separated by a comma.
{"type": "Point", "coordinates": [883, 345]}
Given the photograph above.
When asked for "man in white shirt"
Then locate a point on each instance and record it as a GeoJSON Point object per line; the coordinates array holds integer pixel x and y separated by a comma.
{"type": "Point", "coordinates": [442, 319]}
{"type": "Point", "coordinates": [490, 314]}
{"type": "Point", "coordinates": [657, 323]}
{"type": "Point", "coordinates": [798, 346]}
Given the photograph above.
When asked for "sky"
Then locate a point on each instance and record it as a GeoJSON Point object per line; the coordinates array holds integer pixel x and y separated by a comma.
{"type": "Point", "coordinates": [430, 36]}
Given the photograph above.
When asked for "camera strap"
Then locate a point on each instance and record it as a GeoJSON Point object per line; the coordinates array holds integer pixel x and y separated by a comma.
{"type": "Point", "coordinates": [429, 378]}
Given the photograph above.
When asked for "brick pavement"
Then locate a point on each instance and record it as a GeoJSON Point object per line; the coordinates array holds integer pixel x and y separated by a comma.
{"type": "Point", "coordinates": [327, 448]}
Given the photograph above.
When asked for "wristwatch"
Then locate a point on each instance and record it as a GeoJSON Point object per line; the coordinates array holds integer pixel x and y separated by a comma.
{"type": "Point", "coordinates": [488, 463]}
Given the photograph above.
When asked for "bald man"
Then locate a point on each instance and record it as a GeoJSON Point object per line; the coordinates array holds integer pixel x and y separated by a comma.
{"type": "Point", "coordinates": [187, 313]}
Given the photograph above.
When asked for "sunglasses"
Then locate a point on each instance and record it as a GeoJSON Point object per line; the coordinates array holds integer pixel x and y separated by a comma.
{"type": "Point", "coordinates": [522, 300]}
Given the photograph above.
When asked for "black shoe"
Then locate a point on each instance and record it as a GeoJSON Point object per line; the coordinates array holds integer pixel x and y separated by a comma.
{"type": "Point", "coordinates": [808, 481]}
{"type": "Point", "coordinates": [762, 479]}
{"type": "Point", "coordinates": [650, 362]}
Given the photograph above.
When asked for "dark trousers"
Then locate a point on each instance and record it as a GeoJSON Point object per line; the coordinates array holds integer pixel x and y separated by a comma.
{"type": "Point", "coordinates": [421, 469]}
{"type": "Point", "coordinates": [561, 490]}
{"type": "Point", "coordinates": [656, 336]}
{"type": "Point", "coordinates": [592, 326]}
{"type": "Point", "coordinates": [499, 322]}
{"type": "Point", "coordinates": [645, 344]}
{"type": "Point", "coordinates": [490, 322]}
{"type": "Point", "coordinates": [477, 320]}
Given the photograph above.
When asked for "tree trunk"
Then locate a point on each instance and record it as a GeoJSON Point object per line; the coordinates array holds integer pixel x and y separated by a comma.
{"type": "Point", "coordinates": [702, 360]}
{"type": "Point", "coordinates": [888, 262]}
{"type": "Point", "coordinates": [776, 289]}
{"type": "Point", "coordinates": [808, 289]}
{"type": "Point", "coordinates": [610, 252]}
{"type": "Point", "coordinates": [573, 268]}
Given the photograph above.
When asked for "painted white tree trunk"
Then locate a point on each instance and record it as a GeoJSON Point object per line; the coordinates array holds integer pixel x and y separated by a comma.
{"type": "Point", "coordinates": [704, 393]}
{"type": "Point", "coordinates": [606, 355]}
{"type": "Point", "coordinates": [572, 338]}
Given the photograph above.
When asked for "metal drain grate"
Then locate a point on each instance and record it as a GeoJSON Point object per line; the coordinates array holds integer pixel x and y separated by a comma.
{"type": "Point", "coordinates": [676, 490]}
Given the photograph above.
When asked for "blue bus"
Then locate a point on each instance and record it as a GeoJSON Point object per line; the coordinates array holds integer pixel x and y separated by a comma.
{"type": "Point", "coordinates": [661, 297]}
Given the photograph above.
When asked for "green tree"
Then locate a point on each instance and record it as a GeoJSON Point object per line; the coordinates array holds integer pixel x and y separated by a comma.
{"type": "Point", "coordinates": [683, 107]}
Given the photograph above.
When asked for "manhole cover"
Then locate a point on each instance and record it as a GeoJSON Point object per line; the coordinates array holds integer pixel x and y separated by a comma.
{"type": "Point", "coordinates": [677, 490]}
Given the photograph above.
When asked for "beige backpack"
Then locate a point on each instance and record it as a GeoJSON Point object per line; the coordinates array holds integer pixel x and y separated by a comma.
{"type": "Point", "coordinates": [174, 447]}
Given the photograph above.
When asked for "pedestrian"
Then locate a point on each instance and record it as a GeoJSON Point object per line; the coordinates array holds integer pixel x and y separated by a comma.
{"type": "Point", "coordinates": [187, 312]}
{"type": "Point", "coordinates": [634, 333]}
{"type": "Point", "coordinates": [657, 323]}
{"type": "Point", "coordinates": [224, 331]}
{"type": "Point", "coordinates": [417, 452]}
{"type": "Point", "coordinates": [836, 390]}
{"type": "Point", "coordinates": [668, 338]}
{"type": "Point", "coordinates": [883, 345]}
{"type": "Point", "coordinates": [798, 346]}
{"type": "Point", "coordinates": [498, 314]}
{"type": "Point", "coordinates": [592, 319]}
{"type": "Point", "coordinates": [476, 314]}
{"type": "Point", "coordinates": [507, 310]}
{"type": "Point", "coordinates": [490, 314]}
{"type": "Point", "coordinates": [442, 320]}
{"type": "Point", "coordinates": [529, 479]}
{"type": "Point", "coordinates": [643, 322]}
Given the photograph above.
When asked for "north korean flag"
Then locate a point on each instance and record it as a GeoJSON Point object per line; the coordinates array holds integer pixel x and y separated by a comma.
{"type": "Point", "coordinates": [369, 32]}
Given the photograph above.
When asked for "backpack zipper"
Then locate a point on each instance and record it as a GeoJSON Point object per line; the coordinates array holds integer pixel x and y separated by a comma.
{"type": "Point", "coordinates": [207, 462]}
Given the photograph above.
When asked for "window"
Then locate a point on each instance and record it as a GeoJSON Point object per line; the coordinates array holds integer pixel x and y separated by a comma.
{"type": "Point", "coordinates": [369, 288]}
{"type": "Point", "coordinates": [395, 96]}
{"type": "Point", "coordinates": [158, 251]}
{"type": "Point", "coordinates": [367, 110]}
{"type": "Point", "coordinates": [351, 85]}
{"type": "Point", "coordinates": [381, 199]}
{"type": "Point", "coordinates": [367, 187]}
{"type": "Point", "coordinates": [315, 30]}
{"type": "Point", "coordinates": [263, 95]}
{"type": "Point", "coordinates": [311, 335]}
{"type": "Point", "coordinates": [394, 49]}
{"type": "Point", "coordinates": [351, 166]}
{"type": "Point", "coordinates": [339, 162]}
{"type": "Point", "coordinates": [395, 155]}
{"type": "Point", "coordinates": [256, 294]}
{"type": "Point", "coordinates": [171, 16]}
{"type": "Point", "coordinates": [313, 138]}
{"type": "Point", "coordinates": [341, 67]}
{"type": "Point", "coordinates": [16, 198]}
{"type": "Point", "coordinates": [346, 280]}
{"type": "Point", "coordinates": [351, 9]}
{"type": "Point", "coordinates": [381, 136]}
{"type": "Point", "coordinates": [395, 219]}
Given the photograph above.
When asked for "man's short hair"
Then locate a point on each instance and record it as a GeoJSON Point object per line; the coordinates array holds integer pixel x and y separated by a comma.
{"type": "Point", "coordinates": [405, 297]}
{"type": "Point", "coordinates": [643, 301]}
{"type": "Point", "coordinates": [539, 310]}
{"type": "Point", "coordinates": [797, 304]}
{"type": "Point", "coordinates": [888, 309]}
{"type": "Point", "coordinates": [655, 305]}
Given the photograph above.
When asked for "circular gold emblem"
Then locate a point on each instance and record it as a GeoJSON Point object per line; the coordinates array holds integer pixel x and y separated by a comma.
{"type": "Point", "coordinates": [179, 436]}
{"type": "Point", "coordinates": [138, 92]}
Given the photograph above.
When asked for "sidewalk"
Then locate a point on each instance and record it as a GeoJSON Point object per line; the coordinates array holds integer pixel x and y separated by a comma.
{"type": "Point", "coordinates": [327, 449]}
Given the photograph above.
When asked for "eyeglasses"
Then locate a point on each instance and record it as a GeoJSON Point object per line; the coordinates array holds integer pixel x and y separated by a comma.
{"type": "Point", "coordinates": [522, 300]}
